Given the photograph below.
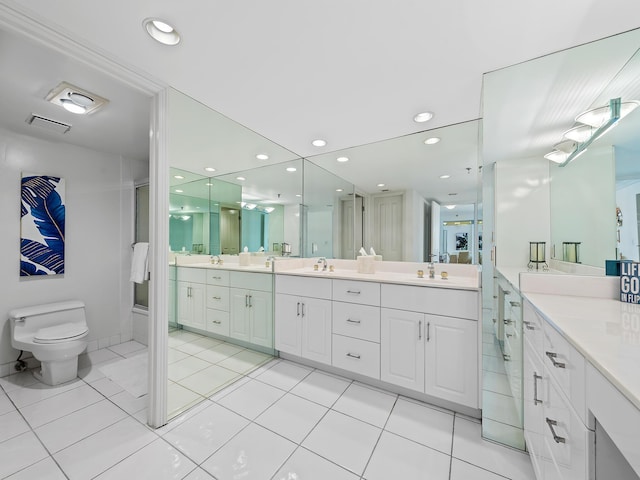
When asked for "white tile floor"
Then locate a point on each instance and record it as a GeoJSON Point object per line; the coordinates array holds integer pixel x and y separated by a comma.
{"type": "Point", "coordinates": [282, 421]}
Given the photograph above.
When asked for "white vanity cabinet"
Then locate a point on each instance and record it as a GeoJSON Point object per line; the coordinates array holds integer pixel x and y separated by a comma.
{"type": "Point", "coordinates": [191, 291]}
{"type": "Point", "coordinates": [303, 317]}
{"type": "Point", "coordinates": [218, 302]}
{"type": "Point", "coordinates": [554, 403]}
{"type": "Point", "coordinates": [251, 307]}
{"type": "Point", "coordinates": [425, 351]}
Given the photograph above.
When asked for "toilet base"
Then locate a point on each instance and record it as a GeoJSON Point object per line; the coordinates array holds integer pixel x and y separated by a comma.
{"type": "Point", "coordinates": [55, 373]}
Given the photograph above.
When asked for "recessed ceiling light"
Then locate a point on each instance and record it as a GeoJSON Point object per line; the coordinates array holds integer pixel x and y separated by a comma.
{"type": "Point", "coordinates": [179, 191]}
{"type": "Point", "coordinates": [75, 99]}
{"type": "Point", "coordinates": [432, 140]}
{"type": "Point", "coordinates": [319, 143]}
{"type": "Point", "coordinates": [262, 156]}
{"type": "Point", "coordinates": [240, 178]}
{"type": "Point", "coordinates": [210, 169]}
{"type": "Point", "coordinates": [342, 159]}
{"type": "Point", "coordinates": [381, 184]}
{"type": "Point", "coordinates": [161, 31]}
{"type": "Point", "coordinates": [69, 106]}
{"type": "Point", "coordinates": [445, 176]}
{"type": "Point", "coordinates": [179, 177]}
{"type": "Point", "coordinates": [423, 117]}
{"type": "Point", "coordinates": [450, 207]}
{"type": "Point", "coordinates": [339, 190]}
{"type": "Point", "coordinates": [291, 169]}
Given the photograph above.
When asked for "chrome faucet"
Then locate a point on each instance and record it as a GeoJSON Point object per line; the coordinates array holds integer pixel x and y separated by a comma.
{"type": "Point", "coordinates": [431, 267]}
{"type": "Point", "coordinates": [323, 261]}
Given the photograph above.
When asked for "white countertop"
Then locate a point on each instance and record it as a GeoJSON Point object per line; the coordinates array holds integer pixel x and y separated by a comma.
{"type": "Point", "coordinates": [605, 331]}
{"type": "Point", "coordinates": [404, 278]}
{"type": "Point", "coordinates": [230, 266]}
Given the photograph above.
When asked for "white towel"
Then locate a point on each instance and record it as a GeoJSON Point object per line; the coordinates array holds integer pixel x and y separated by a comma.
{"type": "Point", "coordinates": [139, 263]}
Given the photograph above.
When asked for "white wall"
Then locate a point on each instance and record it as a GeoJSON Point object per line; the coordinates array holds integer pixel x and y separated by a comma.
{"type": "Point", "coordinates": [98, 229]}
{"type": "Point", "coordinates": [413, 225]}
{"type": "Point", "coordinates": [292, 228]}
{"type": "Point", "coordinates": [522, 209]}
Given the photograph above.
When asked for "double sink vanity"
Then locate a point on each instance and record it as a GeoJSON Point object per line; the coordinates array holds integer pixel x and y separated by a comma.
{"type": "Point", "coordinates": [392, 328]}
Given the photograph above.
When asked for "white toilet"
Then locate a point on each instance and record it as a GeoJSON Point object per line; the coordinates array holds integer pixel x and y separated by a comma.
{"type": "Point", "coordinates": [54, 333]}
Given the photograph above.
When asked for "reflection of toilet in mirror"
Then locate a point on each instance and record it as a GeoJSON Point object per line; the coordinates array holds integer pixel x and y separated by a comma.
{"type": "Point", "coordinates": [55, 334]}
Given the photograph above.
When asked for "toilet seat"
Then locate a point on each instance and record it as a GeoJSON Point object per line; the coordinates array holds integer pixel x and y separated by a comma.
{"type": "Point", "coordinates": [61, 333]}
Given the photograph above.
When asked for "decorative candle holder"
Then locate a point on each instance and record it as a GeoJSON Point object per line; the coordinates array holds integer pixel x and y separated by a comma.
{"type": "Point", "coordinates": [537, 255]}
{"type": "Point", "coordinates": [571, 252]}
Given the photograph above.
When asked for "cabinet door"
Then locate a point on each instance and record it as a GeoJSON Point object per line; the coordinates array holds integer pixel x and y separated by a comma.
{"type": "Point", "coordinates": [533, 408]}
{"type": "Point", "coordinates": [261, 318]}
{"type": "Point", "coordinates": [316, 330]}
{"type": "Point", "coordinates": [451, 359]}
{"type": "Point", "coordinates": [239, 326]}
{"type": "Point", "coordinates": [288, 324]}
{"type": "Point", "coordinates": [173, 292]}
{"type": "Point", "coordinates": [183, 314]}
{"type": "Point", "coordinates": [402, 348]}
{"type": "Point", "coordinates": [198, 305]}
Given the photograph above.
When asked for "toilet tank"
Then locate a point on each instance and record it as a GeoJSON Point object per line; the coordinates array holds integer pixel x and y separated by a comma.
{"type": "Point", "coordinates": [27, 321]}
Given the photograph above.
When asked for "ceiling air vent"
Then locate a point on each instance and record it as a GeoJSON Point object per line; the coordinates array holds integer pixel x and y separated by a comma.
{"type": "Point", "coordinates": [52, 125]}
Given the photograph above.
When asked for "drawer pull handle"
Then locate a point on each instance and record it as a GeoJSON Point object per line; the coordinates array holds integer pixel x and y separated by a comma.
{"type": "Point", "coordinates": [506, 358]}
{"type": "Point", "coordinates": [514, 304]}
{"type": "Point", "coordinates": [217, 298]}
{"type": "Point", "coordinates": [428, 331]}
{"type": "Point", "coordinates": [509, 335]}
{"type": "Point", "coordinates": [420, 330]}
{"type": "Point", "coordinates": [536, 400]}
{"type": "Point", "coordinates": [556, 437]}
{"type": "Point", "coordinates": [552, 356]}
{"type": "Point", "coordinates": [495, 296]}
{"type": "Point", "coordinates": [352, 321]}
{"type": "Point", "coordinates": [354, 292]}
{"type": "Point", "coordinates": [528, 325]}
{"type": "Point", "coordinates": [508, 322]}
{"type": "Point", "coordinates": [353, 355]}
{"type": "Point", "coordinates": [217, 322]}
{"type": "Point", "coordinates": [303, 309]}
{"type": "Point", "coordinates": [507, 292]}
{"type": "Point", "coordinates": [298, 310]}
{"type": "Point", "coordinates": [217, 278]}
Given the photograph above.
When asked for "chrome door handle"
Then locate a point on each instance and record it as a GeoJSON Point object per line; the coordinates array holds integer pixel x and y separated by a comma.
{"type": "Point", "coordinates": [552, 356]}
{"type": "Point", "coordinates": [303, 309]}
{"type": "Point", "coordinates": [353, 355]}
{"type": "Point", "coordinates": [528, 325]}
{"type": "Point", "coordinates": [536, 400]}
{"type": "Point", "coordinates": [514, 304]}
{"type": "Point", "coordinates": [250, 304]}
{"type": "Point", "coordinates": [298, 310]}
{"type": "Point", "coordinates": [556, 437]}
{"type": "Point", "coordinates": [352, 321]}
{"type": "Point", "coordinates": [506, 321]}
{"type": "Point", "coordinates": [420, 330]}
{"type": "Point", "coordinates": [506, 358]}
{"type": "Point", "coordinates": [428, 331]}
{"type": "Point", "coordinates": [246, 301]}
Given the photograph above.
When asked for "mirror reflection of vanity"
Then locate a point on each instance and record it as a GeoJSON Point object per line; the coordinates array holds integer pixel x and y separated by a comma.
{"type": "Point", "coordinates": [585, 211]}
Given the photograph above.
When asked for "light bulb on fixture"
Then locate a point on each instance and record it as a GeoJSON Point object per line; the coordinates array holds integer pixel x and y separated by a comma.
{"type": "Point", "coordinates": [580, 133]}
{"type": "Point", "coordinates": [597, 117]}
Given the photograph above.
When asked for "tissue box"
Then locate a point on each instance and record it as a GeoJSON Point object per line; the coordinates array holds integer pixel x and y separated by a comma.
{"type": "Point", "coordinates": [245, 259]}
{"type": "Point", "coordinates": [366, 264]}
{"type": "Point", "coordinates": [377, 258]}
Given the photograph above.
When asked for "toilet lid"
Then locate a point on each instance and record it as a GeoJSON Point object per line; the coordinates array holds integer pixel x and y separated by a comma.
{"type": "Point", "coordinates": [59, 333]}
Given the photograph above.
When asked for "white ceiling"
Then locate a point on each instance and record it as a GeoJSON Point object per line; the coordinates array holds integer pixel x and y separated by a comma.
{"type": "Point", "coordinates": [350, 72]}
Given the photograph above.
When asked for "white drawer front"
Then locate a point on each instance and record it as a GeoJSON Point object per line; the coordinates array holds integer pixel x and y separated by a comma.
{"type": "Point", "coordinates": [366, 293]}
{"type": "Point", "coordinates": [218, 297]}
{"type": "Point", "coordinates": [356, 355]}
{"type": "Point", "coordinates": [566, 438]}
{"type": "Point", "coordinates": [358, 321]}
{"type": "Point", "coordinates": [304, 286]}
{"type": "Point", "coordinates": [218, 322]}
{"type": "Point", "coordinates": [251, 281]}
{"type": "Point", "coordinates": [188, 274]}
{"type": "Point", "coordinates": [532, 327]}
{"type": "Point", "coordinates": [218, 277]}
{"type": "Point", "coordinates": [567, 367]}
{"type": "Point", "coordinates": [438, 301]}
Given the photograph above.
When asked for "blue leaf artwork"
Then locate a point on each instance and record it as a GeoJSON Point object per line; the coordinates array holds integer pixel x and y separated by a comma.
{"type": "Point", "coordinates": [42, 216]}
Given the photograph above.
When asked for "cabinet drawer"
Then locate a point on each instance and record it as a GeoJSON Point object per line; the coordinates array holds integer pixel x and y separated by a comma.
{"type": "Point", "coordinates": [358, 321]}
{"type": "Point", "coordinates": [366, 293]}
{"type": "Point", "coordinates": [567, 367]}
{"type": "Point", "coordinates": [304, 286]}
{"type": "Point", "coordinates": [218, 297]}
{"type": "Point", "coordinates": [218, 322]}
{"type": "Point", "coordinates": [251, 281]}
{"type": "Point", "coordinates": [566, 440]}
{"type": "Point", "coordinates": [532, 327]}
{"type": "Point", "coordinates": [218, 277]}
{"type": "Point", "coordinates": [195, 275]}
{"type": "Point", "coordinates": [358, 356]}
{"type": "Point", "coordinates": [439, 301]}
